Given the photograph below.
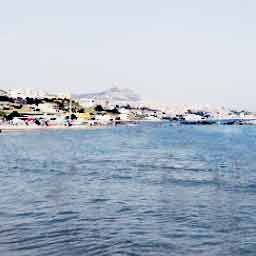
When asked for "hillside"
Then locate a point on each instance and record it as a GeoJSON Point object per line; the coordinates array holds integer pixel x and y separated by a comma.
{"type": "Point", "coordinates": [113, 94]}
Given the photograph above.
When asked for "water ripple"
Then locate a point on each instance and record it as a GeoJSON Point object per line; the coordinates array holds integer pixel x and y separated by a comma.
{"type": "Point", "coordinates": [141, 191]}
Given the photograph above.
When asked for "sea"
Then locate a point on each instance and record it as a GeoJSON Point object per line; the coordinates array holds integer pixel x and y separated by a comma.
{"type": "Point", "coordinates": [148, 189]}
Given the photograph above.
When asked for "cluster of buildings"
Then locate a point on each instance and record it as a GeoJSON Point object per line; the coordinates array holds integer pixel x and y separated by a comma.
{"type": "Point", "coordinates": [37, 107]}
{"type": "Point", "coordinates": [30, 93]}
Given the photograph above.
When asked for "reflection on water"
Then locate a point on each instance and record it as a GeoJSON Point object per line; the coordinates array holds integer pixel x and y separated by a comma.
{"type": "Point", "coordinates": [144, 190]}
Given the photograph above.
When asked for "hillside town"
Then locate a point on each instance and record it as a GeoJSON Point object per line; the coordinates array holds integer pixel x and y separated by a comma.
{"type": "Point", "coordinates": [32, 108]}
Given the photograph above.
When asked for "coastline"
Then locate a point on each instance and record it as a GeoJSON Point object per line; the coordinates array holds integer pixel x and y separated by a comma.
{"type": "Point", "coordinates": [14, 128]}
{"type": "Point", "coordinates": [45, 128]}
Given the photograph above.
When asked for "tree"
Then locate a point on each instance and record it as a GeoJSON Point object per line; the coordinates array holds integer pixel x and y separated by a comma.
{"type": "Point", "coordinates": [127, 106]}
{"type": "Point", "coordinates": [38, 101]}
{"type": "Point", "coordinates": [30, 101]}
{"type": "Point", "coordinates": [73, 117]}
{"type": "Point", "coordinates": [99, 108]}
{"type": "Point", "coordinates": [18, 106]}
{"type": "Point", "coordinates": [2, 114]}
{"type": "Point", "coordinates": [12, 115]}
{"type": "Point", "coordinates": [113, 111]}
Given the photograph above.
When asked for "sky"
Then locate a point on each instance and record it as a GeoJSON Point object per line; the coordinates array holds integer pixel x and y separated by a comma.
{"type": "Point", "coordinates": [169, 51]}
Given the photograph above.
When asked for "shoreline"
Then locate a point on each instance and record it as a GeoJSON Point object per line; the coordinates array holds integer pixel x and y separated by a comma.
{"type": "Point", "coordinates": [13, 128]}
{"type": "Point", "coordinates": [19, 129]}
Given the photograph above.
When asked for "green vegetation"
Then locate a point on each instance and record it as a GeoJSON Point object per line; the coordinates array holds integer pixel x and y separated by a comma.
{"type": "Point", "coordinates": [99, 108]}
{"type": "Point", "coordinates": [2, 114]}
{"type": "Point", "coordinates": [12, 115]}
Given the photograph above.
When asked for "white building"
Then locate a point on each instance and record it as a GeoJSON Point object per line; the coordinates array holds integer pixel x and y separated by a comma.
{"type": "Point", "coordinates": [26, 92]}
{"type": "Point", "coordinates": [193, 117]}
{"type": "Point", "coordinates": [88, 103]}
{"type": "Point", "coordinates": [124, 111]}
{"type": "Point", "coordinates": [124, 117]}
{"type": "Point", "coordinates": [103, 118]}
{"type": "Point", "coordinates": [48, 108]}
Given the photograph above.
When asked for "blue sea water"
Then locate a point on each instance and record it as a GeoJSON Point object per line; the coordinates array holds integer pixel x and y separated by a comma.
{"type": "Point", "coordinates": [143, 190]}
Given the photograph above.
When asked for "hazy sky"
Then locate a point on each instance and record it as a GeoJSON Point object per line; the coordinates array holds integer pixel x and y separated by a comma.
{"type": "Point", "coordinates": [174, 51]}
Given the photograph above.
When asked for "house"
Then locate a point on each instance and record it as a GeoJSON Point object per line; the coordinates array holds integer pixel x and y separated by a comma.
{"type": "Point", "coordinates": [87, 103]}
{"type": "Point", "coordinates": [124, 117]}
{"type": "Point", "coordinates": [48, 107]}
{"type": "Point", "coordinates": [26, 92]}
{"type": "Point", "coordinates": [5, 105]}
{"type": "Point", "coordinates": [104, 118]}
{"type": "Point", "coordinates": [83, 116]}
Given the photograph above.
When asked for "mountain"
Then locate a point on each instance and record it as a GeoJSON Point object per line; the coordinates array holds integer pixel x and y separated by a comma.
{"type": "Point", "coordinates": [113, 94]}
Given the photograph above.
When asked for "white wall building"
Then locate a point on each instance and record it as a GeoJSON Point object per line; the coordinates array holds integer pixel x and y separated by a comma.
{"type": "Point", "coordinates": [26, 92]}
{"type": "Point", "coordinates": [193, 117]}
{"type": "Point", "coordinates": [48, 108]}
{"type": "Point", "coordinates": [87, 103]}
{"type": "Point", "coordinates": [124, 117]}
